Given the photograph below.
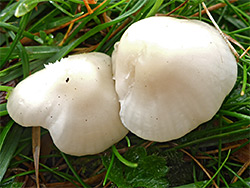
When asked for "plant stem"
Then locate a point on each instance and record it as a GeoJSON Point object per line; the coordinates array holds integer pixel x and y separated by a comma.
{"type": "Point", "coordinates": [124, 161]}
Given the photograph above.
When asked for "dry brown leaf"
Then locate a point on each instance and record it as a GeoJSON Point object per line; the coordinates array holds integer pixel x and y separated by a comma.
{"type": "Point", "coordinates": [36, 144]}
{"type": "Point", "coordinates": [243, 154]}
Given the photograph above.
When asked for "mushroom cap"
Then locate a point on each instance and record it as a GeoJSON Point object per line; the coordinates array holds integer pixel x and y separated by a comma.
{"type": "Point", "coordinates": [75, 100]}
{"type": "Point", "coordinates": [171, 75]}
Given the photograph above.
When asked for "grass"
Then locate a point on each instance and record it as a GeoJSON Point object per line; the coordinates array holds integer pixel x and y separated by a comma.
{"type": "Point", "coordinates": [215, 154]}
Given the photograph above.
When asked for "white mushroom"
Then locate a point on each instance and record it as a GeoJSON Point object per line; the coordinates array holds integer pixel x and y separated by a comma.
{"type": "Point", "coordinates": [75, 100]}
{"type": "Point", "coordinates": [171, 75]}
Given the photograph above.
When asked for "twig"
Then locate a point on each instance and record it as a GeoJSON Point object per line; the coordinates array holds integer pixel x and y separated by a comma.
{"type": "Point", "coordinates": [245, 52]}
{"type": "Point", "coordinates": [87, 6]}
{"type": "Point", "coordinates": [106, 19]}
{"type": "Point", "coordinates": [66, 35]}
{"type": "Point", "coordinates": [85, 50]}
{"type": "Point", "coordinates": [73, 21]}
{"type": "Point", "coordinates": [203, 168]}
{"type": "Point", "coordinates": [223, 149]}
{"type": "Point", "coordinates": [217, 172]}
{"type": "Point", "coordinates": [94, 179]}
{"type": "Point", "coordinates": [177, 8]}
{"type": "Point", "coordinates": [120, 27]}
{"type": "Point", "coordinates": [25, 39]}
{"type": "Point", "coordinates": [214, 7]}
{"type": "Point", "coordinates": [244, 81]}
{"type": "Point", "coordinates": [240, 172]}
{"type": "Point", "coordinates": [221, 33]}
{"type": "Point", "coordinates": [90, 11]}
{"type": "Point", "coordinates": [235, 42]}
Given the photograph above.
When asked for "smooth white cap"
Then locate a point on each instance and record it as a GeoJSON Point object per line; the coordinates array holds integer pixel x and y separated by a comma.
{"type": "Point", "coordinates": [171, 75]}
{"type": "Point", "coordinates": [75, 100]}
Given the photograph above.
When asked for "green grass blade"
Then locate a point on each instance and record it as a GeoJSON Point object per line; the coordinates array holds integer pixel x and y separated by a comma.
{"type": "Point", "coordinates": [27, 5]}
{"type": "Point", "coordinates": [23, 23]}
{"type": "Point", "coordinates": [25, 33]}
{"type": "Point", "coordinates": [22, 174]}
{"type": "Point", "coordinates": [23, 56]}
{"type": "Point", "coordinates": [235, 114]}
{"type": "Point", "coordinates": [216, 136]}
{"type": "Point", "coordinates": [62, 9]}
{"type": "Point", "coordinates": [230, 170]}
{"type": "Point", "coordinates": [74, 172]}
{"type": "Point", "coordinates": [5, 132]}
{"type": "Point", "coordinates": [8, 12]}
{"type": "Point", "coordinates": [54, 171]}
{"type": "Point", "coordinates": [236, 11]}
{"type": "Point", "coordinates": [34, 52]}
{"type": "Point", "coordinates": [96, 29]}
{"type": "Point", "coordinates": [109, 169]}
{"type": "Point", "coordinates": [3, 110]}
{"type": "Point", "coordinates": [155, 8]}
{"type": "Point", "coordinates": [239, 30]}
{"type": "Point", "coordinates": [6, 88]}
{"type": "Point", "coordinates": [25, 60]}
{"type": "Point", "coordinates": [9, 148]}
{"type": "Point", "coordinates": [219, 169]}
